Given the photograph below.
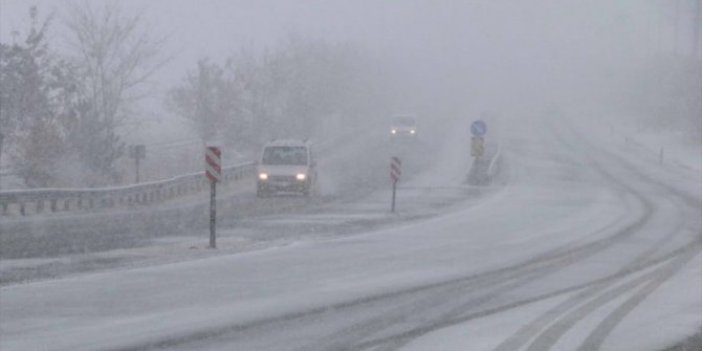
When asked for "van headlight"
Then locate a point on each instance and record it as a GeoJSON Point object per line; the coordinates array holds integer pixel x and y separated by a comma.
{"type": "Point", "coordinates": [393, 131]}
{"type": "Point", "coordinates": [412, 131]}
{"type": "Point", "coordinates": [301, 176]}
{"type": "Point", "coordinates": [263, 176]}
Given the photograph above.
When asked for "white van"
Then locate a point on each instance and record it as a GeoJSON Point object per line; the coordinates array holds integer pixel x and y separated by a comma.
{"type": "Point", "coordinates": [286, 166]}
{"type": "Point", "coordinates": [403, 126]}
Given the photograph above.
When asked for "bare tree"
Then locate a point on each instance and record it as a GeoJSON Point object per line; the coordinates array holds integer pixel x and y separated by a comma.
{"type": "Point", "coordinates": [117, 56]}
{"type": "Point", "coordinates": [302, 89]}
{"type": "Point", "coordinates": [206, 99]}
{"type": "Point", "coordinates": [33, 96]}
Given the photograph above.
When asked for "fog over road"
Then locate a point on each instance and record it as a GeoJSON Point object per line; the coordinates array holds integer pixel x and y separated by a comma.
{"type": "Point", "coordinates": [351, 167]}
{"type": "Point", "coordinates": [587, 245]}
{"type": "Point", "coordinates": [579, 228]}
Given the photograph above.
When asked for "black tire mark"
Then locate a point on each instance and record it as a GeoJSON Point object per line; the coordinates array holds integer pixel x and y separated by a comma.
{"type": "Point", "coordinates": [528, 331]}
{"type": "Point", "coordinates": [419, 331]}
{"type": "Point", "coordinates": [549, 337]}
{"type": "Point", "coordinates": [597, 337]}
{"type": "Point", "coordinates": [552, 258]}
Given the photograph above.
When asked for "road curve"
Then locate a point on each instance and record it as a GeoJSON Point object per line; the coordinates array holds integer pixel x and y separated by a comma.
{"type": "Point", "coordinates": [579, 229]}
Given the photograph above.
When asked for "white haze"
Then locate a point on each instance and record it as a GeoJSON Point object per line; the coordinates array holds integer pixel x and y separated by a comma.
{"type": "Point", "coordinates": [496, 55]}
{"type": "Point", "coordinates": [567, 222]}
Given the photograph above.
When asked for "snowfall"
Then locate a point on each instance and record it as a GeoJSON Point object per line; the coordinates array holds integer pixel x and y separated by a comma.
{"type": "Point", "coordinates": [584, 240]}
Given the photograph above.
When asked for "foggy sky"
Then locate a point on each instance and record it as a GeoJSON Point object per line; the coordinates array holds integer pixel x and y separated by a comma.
{"type": "Point", "coordinates": [452, 50]}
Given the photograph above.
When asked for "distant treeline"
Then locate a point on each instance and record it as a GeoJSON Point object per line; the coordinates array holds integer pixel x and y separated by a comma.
{"type": "Point", "coordinates": [62, 115]}
{"type": "Point", "coordinates": [304, 89]}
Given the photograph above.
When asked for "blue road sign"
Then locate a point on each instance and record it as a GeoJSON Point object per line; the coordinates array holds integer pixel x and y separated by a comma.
{"type": "Point", "coordinates": [478, 128]}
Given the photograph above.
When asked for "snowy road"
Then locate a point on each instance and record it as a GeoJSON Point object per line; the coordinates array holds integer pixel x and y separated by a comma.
{"type": "Point", "coordinates": [587, 247]}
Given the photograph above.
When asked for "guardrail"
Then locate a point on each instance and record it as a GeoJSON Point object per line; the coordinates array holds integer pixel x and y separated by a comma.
{"type": "Point", "coordinates": [38, 201]}
{"type": "Point", "coordinates": [42, 201]}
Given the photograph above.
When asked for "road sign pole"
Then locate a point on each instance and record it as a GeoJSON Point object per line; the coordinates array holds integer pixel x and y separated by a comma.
{"type": "Point", "coordinates": [395, 173]}
{"type": "Point", "coordinates": [137, 169]}
{"type": "Point", "coordinates": [213, 215]}
{"type": "Point", "coordinates": [477, 147]}
{"type": "Point", "coordinates": [394, 186]}
{"type": "Point", "coordinates": [213, 171]}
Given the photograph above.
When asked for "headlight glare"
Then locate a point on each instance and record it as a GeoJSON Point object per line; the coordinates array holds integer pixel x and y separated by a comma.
{"type": "Point", "coordinates": [301, 176]}
{"type": "Point", "coordinates": [263, 176]}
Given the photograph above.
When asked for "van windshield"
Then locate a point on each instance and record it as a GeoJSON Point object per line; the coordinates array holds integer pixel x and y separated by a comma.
{"type": "Point", "coordinates": [404, 121]}
{"type": "Point", "coordinates": [284, 155]}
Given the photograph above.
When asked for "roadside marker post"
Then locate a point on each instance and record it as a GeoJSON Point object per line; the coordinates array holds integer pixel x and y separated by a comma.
{"type": "Point", "coordinates": [395, 173]}
{"type": "Point", "coordinates": [213, 171]}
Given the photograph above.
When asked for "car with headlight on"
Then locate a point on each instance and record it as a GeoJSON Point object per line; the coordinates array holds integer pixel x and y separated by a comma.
{"type": "Point", "coordinates": [403, 126]}
{"type": "Point", "coordinates": [286, 166]}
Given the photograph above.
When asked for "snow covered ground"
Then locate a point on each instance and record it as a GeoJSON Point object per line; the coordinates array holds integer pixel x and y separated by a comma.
{"type": "Point", "coordinates": [590, 244]}
{"type": "Point", "coordinates": [678, 147]}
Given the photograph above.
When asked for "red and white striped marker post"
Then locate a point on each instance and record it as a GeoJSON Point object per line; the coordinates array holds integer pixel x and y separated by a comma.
{"type": "Point", "coordinates": [213, 171]}
{"type": "Point", "coordinates": [395, 173]}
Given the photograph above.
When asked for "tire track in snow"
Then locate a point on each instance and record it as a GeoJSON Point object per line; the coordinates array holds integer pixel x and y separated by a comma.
{"type": "Point", "coordinates": [431, 307]}
{"type": "Point", "coordinates": [359, 338]}
{"type": "Point", "coordinates": [555, 260]}
{"type": "Point", "coordinates": [528, 331]}
{"type": "Point", "coordinates": [544, 264]}
{"type": "Point", "coordinates": [422, 330]}
{"type": "Point", "coordinates": [574, 256]}
{"type": "Point", "coordinates": [597, 337]}
{"type": "Point", "coordinates": [549, 336]}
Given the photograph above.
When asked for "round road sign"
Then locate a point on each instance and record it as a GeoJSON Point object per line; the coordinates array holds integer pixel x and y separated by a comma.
{"type": "Point", "coordinates": [478, 128]}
